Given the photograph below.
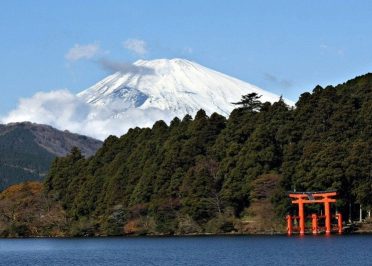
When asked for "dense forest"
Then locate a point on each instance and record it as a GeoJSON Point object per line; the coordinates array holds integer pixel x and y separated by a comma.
{"type": "Point", "coordinates": [21, 158]}
{"type": "Point", "coordinates": [27, 150]}
{"type": "Point", "coordinates": [209, 173]}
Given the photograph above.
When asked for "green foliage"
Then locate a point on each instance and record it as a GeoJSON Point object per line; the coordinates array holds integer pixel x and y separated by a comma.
{"type": "Point", "coordinates": [250, 102]}
{"type": "Point", "coordinates": [200, 174]}
{"type": "Point", "coordinates": [21, 158]}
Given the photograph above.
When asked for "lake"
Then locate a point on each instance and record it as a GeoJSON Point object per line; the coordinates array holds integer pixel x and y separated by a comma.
{"type": "Point", "coordinates": [209, 250]}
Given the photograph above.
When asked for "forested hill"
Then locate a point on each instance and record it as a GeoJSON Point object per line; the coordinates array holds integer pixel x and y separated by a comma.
{"type": "Point", "coordinates": [28, 149]}
{"type": "Point", "coordinates": [205, 174]}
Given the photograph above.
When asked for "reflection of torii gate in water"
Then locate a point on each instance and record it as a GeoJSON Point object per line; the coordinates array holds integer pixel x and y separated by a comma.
{"type": "Point", "coordinates": [302, 198]}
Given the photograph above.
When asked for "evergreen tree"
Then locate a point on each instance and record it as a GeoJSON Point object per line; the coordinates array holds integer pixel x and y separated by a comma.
{"type": "Point", "coordinates": [250, 102]}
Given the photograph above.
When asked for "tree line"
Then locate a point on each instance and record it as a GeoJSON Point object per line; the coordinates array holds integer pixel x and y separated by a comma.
{"type": "Point", "coordinates": [199, 174]}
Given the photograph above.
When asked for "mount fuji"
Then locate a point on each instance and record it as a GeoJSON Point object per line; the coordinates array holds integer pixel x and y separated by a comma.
{"type": "Point", "coordinates": [137, 96]}
{"type": "Point", "coordinates": [176, 86]}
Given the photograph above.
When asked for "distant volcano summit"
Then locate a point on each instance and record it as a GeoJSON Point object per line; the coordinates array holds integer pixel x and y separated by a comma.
{"type": "Point", "coordinates": [137, 96]}
{"type": "Point", "coordinates": [177, 86]}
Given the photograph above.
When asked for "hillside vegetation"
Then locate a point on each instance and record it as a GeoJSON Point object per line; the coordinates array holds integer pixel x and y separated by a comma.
{"type": "Point", "coordinates": [27, 150]}
{"type": "Point", "coordinates": [26, 211]}
{"type": "Point", "coordinates": [211, 174]}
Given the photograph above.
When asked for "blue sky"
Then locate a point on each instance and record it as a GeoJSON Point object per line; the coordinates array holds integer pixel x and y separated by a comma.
{"type": "Point", "coordinates": [286, 47]}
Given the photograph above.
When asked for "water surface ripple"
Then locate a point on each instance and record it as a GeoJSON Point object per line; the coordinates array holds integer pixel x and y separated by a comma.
{"type": "Point", "coordinates": [222, 250]}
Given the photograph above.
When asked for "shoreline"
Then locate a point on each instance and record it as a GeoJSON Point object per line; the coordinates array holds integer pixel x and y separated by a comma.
{"type": "Point", "coordinates": [358, 232]}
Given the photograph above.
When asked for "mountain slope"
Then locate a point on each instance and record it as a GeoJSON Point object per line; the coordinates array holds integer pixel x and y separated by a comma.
{"type": "Point", "coordinates": [177, 86]}
{"type": "Point", "coordinates": [27, 150]}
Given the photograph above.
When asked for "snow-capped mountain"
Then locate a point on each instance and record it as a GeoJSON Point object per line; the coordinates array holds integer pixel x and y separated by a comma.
{"type": "Point", "coordinates": [137, 96]}
{"type": "Point", "coordinates": [176, 86]}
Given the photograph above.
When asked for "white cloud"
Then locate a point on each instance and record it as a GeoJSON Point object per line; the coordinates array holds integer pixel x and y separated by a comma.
{"type": "Point", "coordinates": [114, 66]}
{"type": "Point", "coordinates": [78, 52]}
{"type": "Point", "coordinates": [64, 110]}
{"type": "Point", "coordinates": [137, 46]}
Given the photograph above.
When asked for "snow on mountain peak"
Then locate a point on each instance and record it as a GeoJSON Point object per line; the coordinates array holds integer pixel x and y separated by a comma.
{"type": "Point", "coordinates": [176, 86]}
{"type": "Point", "coordinates": [137, 96]}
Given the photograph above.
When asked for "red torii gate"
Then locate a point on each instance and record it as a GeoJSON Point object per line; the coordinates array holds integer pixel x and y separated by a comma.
{"type": "Point", "coordinates": [302, 198]}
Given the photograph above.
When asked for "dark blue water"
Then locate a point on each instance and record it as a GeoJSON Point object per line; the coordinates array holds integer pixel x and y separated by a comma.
{"type": "Point", "coordinates": [234, 250]}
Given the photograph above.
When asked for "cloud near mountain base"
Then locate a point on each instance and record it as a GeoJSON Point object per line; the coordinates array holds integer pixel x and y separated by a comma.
{"type": "Point", "coordinates": [66, 111]}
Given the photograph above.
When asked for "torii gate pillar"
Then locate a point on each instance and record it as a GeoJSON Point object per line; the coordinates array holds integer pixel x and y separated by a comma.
{"type": "Point", "coordinates": [327, 212]}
